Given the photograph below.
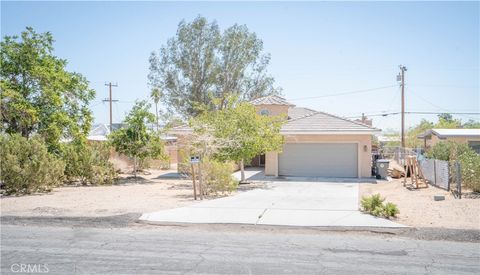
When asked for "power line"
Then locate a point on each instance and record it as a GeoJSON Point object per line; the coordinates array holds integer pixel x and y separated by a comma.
{"type": "Point", "coordinates": [443, 86]}
{"type": "Point", "coordinates": [436, 106]}
{"type": "Point", "coordinates": [416, 112]}
{"type": "Point", "coordinates": [344, 93]}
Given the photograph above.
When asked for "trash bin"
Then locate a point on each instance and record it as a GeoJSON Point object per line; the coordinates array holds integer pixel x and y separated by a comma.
{"type": "Point", "coordinates": [382, 168]}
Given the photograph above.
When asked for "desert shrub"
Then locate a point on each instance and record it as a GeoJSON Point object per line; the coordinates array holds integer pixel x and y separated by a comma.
{"type": "Point", "coordinates": [374, 205]}
{"type": "Point", "coordinates": [390, 210]}
{"type": "Point", "coordinates": [88, 163]}
{"type": "Point", "coordinates": [447, 150]}
{"type": "Point", "coordinates": [378, 211]}
{"type": "Point", "coordinates": [27, 166]}
{"type": "Point", "coordinates": [217, 177]}
{"type": "Point", "coordinates": [470, 170]}
{"type": "Point", "coordinates": [469, 161]}
{"type": "Point", "coordinates": [370, 203]}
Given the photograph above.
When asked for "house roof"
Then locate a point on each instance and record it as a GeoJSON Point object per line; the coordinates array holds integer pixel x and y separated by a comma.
{"type": "Point", "coordinates": [444, 133]}
{"type": "Point", "coordinates": [306, 121]}
{"type": "Point", "coordinates": [324, 123]}
{"type": "Point", "coordinates": [271, 100]}
{"type": "Point", "coordinates": [99, 132]}
{"type": "Point", "coordinates": [297, 112]}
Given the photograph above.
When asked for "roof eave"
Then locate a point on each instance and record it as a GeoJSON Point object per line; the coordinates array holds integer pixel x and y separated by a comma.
{"type": "Point", "coordinates": [330, 132]}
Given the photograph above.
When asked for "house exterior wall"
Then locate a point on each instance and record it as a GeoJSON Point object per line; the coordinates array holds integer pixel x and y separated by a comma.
{"type": "Point", "coordinates": [271, 164]}
{"type": "Point", "coordinates": [435, 139]}
{"type": "Point", "coordinates": [364, 150]}
{"type": "Point", "coordinates": [274, 110]}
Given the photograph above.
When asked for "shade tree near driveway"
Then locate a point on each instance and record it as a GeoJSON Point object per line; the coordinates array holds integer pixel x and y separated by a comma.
{"type": "Point", "coordinates": [245, 133]}
{"type": "Point", "coordinates": [201, 63]}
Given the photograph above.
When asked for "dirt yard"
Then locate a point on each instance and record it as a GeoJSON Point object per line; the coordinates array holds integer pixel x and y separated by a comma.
{"type": "Point", "coordinates": [148, 193]}
{"type": "Point", "coordinates": [417, 207]}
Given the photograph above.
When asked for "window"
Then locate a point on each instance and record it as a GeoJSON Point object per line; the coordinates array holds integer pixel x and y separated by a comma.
{"type": "Point", "coordinates": [475, 145]}
{"type": "Point", "coordinates": [265, 112]}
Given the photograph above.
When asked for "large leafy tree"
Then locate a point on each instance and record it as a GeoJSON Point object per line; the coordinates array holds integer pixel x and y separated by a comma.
{"type": "Point", "coordinates": [244, 133]}
{"type": "Point", "coordinates": [201, 63]}
{"type": "Point", "coordinates": [185, 67]}
{"type": "Point", "coordinates": [156, 94]}
{"type": "Point", "coordinates": [38, 94]}
{"type": "Point", "coordinates": [446, 121]}
{"type": "Point", "coordinates": [136, 140]}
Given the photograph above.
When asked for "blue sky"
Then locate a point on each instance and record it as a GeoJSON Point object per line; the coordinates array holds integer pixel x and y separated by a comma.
{"type": "Point", "coordinates": [317, 48]}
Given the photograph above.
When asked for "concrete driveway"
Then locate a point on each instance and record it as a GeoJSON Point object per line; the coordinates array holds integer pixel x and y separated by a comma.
{"type": "Point", "coordinates": [291, 202]}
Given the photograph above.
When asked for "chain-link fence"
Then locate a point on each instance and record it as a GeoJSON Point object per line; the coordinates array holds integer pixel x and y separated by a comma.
{"type": "Point", "coordinates": [398, 154]}
{"type": "Point", "coordinates": [436, 172]}
{"type": "Point", "coordinates": [443, 174]}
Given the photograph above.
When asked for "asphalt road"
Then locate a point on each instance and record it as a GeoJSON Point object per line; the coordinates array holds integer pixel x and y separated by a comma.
{"type": "Point", "coordinates": [144, 249]}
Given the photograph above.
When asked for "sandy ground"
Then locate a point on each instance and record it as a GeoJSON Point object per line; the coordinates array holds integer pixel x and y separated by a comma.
{"type": "Point", "coordinates": [147, 194]}
{"type": "Point", "coordinates": [417, 207]}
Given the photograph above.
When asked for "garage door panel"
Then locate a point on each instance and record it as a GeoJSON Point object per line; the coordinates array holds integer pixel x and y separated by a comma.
{"type": "Point", "coordinates": [319, 160]}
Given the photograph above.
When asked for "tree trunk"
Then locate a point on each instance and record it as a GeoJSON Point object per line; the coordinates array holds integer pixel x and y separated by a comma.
{"type": "Point", "coordinates": [156, 114]}
{"type": "Point", "coordinates": [135, 167]}
{"type": "Point", "coordinates": [242, 171]}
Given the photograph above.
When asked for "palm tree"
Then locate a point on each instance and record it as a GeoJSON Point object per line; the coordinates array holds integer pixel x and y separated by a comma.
{"type": "Point", "coordinates": [156, 94]}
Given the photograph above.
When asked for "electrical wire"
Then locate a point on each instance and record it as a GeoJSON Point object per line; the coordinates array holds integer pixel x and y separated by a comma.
{"type": "Point", "coordinates": [441, 108]}
{"type": "Point", "coordinates": [344, 93]}
{"type": "Point", "coordinates": [416, 113]}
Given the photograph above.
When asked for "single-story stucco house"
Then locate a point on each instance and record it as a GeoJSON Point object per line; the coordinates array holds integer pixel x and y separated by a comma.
{"type": "Point", "coordinates": [317, 144]}
{"type": "Point", "coordinates": [465, 136]}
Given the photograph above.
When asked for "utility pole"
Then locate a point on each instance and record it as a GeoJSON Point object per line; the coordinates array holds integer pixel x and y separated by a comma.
{"type": "Point", "coordinates": [401, 77]}
{"type": "Point", "coordinates": [110, 85]}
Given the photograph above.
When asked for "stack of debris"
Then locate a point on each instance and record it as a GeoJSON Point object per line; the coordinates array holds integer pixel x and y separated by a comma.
{"type": "Point", "coordinates": [395, 170]}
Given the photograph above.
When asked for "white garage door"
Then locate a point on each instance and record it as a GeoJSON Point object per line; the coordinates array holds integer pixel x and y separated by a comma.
{"type": "Point", "coordinates": [319, 160]}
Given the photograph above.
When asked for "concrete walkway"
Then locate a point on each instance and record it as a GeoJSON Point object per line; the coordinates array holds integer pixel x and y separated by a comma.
{"type": "Point", "coordinates": [291, 203]}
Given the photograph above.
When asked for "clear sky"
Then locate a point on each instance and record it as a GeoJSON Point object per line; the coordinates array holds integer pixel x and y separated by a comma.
{"type": "Point", "coordinates": [317, 48]}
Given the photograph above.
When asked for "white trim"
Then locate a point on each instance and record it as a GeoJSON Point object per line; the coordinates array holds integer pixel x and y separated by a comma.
{"type": "Point", "coordinates": [369, 132]}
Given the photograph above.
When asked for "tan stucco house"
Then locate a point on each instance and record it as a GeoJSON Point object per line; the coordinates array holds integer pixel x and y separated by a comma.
{"type": "Point", "coordinates": [317, 144]}
{"type": "Point", "coordinates": [465, 136]}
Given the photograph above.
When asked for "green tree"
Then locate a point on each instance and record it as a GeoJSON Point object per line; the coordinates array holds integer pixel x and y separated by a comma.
{"type": "Point", "coordinates": [446, 121]}
{"type": "Point", "coordinates": [38, 94]}
{"type": "Point", "coordinates": [201, 63]}
{"type": "Point", "coordinates": [185, 67]}
{"type": "Point", "coordinates": [242, 67]}
{"type": "Point", "coordinates": [471, 124]}
{"type": "Point", "coordinates": [135, 140]}
{"type": "Point", "coordinates": [156, 95]}
{"type": "Point", "coordinates": [245, 133]}
{"type": "Point", "coordinates": [412, 140]}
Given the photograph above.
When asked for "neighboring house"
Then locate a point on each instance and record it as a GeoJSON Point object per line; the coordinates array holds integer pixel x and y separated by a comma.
{"type": "Point", "coordinates": [465, 136]}
{"type": "Point", "coordinates": [317, 144]}
{"type": "Point", "coordinates": [384, 140]}
{"type": "Point", "coordinates": [100, 132]}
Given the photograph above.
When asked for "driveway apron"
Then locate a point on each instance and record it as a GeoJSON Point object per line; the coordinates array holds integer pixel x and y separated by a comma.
{"type": "Point", "coordinates": [291, 203]}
